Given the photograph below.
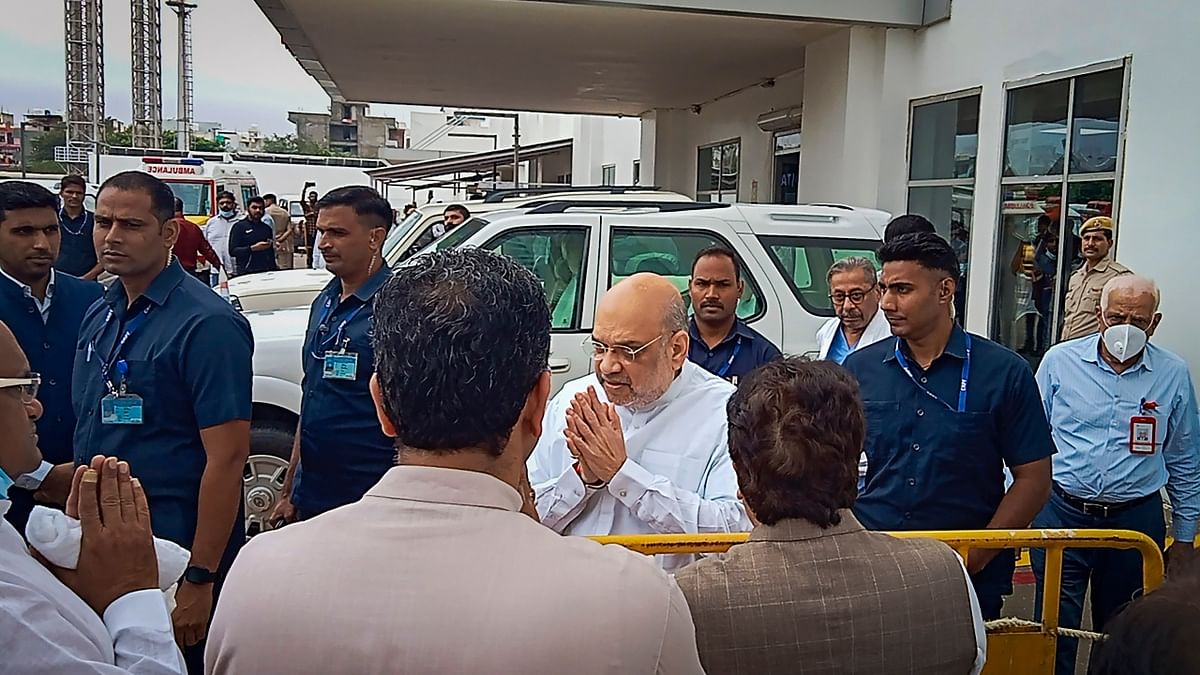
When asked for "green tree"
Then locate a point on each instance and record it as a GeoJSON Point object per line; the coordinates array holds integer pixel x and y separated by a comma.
{"type": "Point", "coordinates": [290, 144]}
{"type": "Point", "coordinates": [120, 139]}
{"type": "Point", "coordinates": [42, 147]}
{"type": "Point", "coordinates": [201, 144]}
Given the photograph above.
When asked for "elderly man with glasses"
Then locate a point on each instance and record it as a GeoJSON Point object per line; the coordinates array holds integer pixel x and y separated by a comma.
{"type": "Point", "coordinates": [854, 291]}
{"type": "Point", "coordinates": [640, 446]}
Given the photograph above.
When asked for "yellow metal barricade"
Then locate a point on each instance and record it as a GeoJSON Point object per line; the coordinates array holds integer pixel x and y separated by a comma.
{"type": "Point", "coordinates": [1013, 649]}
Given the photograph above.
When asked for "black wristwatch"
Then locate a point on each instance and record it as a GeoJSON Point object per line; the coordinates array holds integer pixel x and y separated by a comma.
{"type": "Point", "coordinates": [198, 575]}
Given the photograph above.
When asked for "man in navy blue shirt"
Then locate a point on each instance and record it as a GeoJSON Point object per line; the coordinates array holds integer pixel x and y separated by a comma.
{"type": "Point", "coordinates": [340, 451]}
{"type": "Point", "coordinates": [44, 309]}
{"type": "Point", "coordinates": [721, 343]}
{"type": "Point", "coordinates": [77, 255]}
{"type": "Point", "coordinates": [162, 380]}
{"type": "Point", "coordinates": [946, 412]}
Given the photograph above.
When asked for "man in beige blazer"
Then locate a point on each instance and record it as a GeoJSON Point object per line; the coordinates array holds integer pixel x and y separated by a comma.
{"type": "Point", "coordinates": [812, 591]}
{"type": "Point", "coordinates": [437, 569]}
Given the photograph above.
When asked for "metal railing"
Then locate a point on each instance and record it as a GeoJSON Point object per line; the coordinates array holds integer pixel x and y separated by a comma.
{"type": "Point", "coordinates": [1014, 648]}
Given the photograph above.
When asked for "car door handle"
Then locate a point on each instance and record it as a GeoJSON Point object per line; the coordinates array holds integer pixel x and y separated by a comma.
{"type": "Point", "coordinates": [559, 365]}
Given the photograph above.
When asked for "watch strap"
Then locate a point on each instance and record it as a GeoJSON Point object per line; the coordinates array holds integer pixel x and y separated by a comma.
{"type": "Point", "coordinates": [198, 575]}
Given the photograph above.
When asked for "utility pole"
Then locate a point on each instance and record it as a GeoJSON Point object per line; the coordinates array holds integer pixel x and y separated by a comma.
{"type": "Point", "coordinates": [147, 73]}
{"type": "Point", "coordinates": [183, 129]}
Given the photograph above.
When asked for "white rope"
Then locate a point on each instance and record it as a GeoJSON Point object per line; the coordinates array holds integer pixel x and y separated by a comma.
{"type": "Point", "coordinates": [1012, 622]}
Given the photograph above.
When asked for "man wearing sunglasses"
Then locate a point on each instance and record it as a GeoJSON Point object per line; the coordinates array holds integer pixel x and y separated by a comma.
{"type": "Point", "coordinates": [640, 446]}
{"type": "Point", "coordinates": [854, 291]}
{"type": "Point", "coordinates": [44, 308]}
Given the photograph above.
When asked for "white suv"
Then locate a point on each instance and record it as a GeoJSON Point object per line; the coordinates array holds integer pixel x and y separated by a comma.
{"type": "Point", "coordinates": [294, 288]}
{"type": "Point", "coordinates": [579, 250]}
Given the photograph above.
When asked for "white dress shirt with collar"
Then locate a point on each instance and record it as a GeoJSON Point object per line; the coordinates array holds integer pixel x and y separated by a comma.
{"type": "Point", "coordinates": [46, 629]}
{"type": "Point", "coordinates": [878, 329]}
{"type": "Point", "coordinates": [42, 305]}
{"type": "Point", "coordinates": [678, 477]}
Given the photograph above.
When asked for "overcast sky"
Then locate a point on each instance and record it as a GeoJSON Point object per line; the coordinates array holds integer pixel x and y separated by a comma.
{"type": "Point", "coordinates": [244, 74]}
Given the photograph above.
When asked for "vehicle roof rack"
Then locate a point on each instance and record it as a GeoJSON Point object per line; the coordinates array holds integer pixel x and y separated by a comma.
{"type": "Point", "coordinates": [497, 196]}
{"type": "Point", "coordinates": [561, 206]}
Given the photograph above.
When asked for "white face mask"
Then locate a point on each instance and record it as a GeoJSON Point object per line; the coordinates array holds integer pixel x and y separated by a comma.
{"type": "Point", "coordinates": [1124, 341]}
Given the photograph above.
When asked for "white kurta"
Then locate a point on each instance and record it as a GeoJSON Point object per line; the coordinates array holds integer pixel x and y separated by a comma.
{"type": "Point", "coordinates": [678, 476]}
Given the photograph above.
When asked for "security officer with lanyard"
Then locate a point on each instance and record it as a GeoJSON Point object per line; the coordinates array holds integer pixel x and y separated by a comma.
{"type": "Point", "coordinates": [946, 412]}
{"type": "Point", "coordinates": [721, 343]}
{"type": "Point", "coordinates": [340, 451]}
{"type": "Point", "coordinates": [162, 380]}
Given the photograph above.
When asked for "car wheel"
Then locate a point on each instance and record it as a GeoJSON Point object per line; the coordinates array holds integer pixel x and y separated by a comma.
{"type": "Point", "coordinates": [266, 470]}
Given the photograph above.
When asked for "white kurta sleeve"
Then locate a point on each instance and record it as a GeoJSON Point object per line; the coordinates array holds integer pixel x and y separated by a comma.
{"type": "Point", "coordinates": [561, 495]}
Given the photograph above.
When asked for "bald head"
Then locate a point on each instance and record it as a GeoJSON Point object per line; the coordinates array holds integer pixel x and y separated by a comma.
{"type": "Point", "coordinates": [644, 318]}
{"type": "Point", "coordinates": [642, 299]}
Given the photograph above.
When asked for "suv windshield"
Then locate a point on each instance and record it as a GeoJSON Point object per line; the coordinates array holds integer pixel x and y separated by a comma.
{"type": "Point", "coordinates": [397, 234]}
{"type": "Point", "coordinates": [804, 262]}
{"type": "Point", "coordinates": [457, 236]}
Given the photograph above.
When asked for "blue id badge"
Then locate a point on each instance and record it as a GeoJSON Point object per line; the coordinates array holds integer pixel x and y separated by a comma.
{"type": "Point", "coordinates": [121, 409]}
{"type": "Point", "coordinates": [340, 366]}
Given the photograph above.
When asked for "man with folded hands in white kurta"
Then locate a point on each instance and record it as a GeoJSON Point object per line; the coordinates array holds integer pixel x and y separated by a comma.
{"type": "Point", "coordinates": [639, 446]}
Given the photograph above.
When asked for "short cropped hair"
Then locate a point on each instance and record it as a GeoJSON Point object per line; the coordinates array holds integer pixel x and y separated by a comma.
{"type": "Point", "coordinates": [162, 200]}
{"type": "Point", "coordinates": [73, 180]}
{"type": "Point", "coordinates": [461, 338]}
{"type": "Point", "coordinates": [1155, 633]}
{"type": "Point", "coordinates": [796, 429]}
{"type": "Point", "coordinates": [466, 213]}
{"type": "Point", "coordinates": [854, 263]}
{"type": "Point", "coordinates": [720, 251]}
{"type": "Point", "coordinates": [21, 194]}
{"type": "Point", "coordinates": [225, 194]}
{"type": "Point", "coordinates": [909, 223]}
{"type": "Point", "coordinates": [363, 200]}
{"type": "Point", "coordinates": [270, 197]}
{"type": "Point", "coordinates": [927, 250]}
{"type": "Point", "coordinates": [256, 200]}
{"type": "Point", "coordinates": [178, 205]}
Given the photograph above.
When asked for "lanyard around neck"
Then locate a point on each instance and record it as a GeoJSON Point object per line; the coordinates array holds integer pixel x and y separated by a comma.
{"type": "Point", "coordinates": [962, 388]}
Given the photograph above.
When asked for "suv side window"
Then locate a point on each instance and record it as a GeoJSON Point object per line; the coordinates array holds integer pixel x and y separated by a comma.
{"type": "Point", "coordinates": [559, 259]}
{"type": "Point", "coordinates": [670, 254]}
{"type": "Point", "coordinates": [805, 262]}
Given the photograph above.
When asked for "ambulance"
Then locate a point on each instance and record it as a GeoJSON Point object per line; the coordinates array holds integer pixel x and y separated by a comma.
{"type": "Point", "coordinates": [198, 182]}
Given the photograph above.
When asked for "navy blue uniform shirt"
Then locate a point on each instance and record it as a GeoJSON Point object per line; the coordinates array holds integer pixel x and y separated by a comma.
{"type": "Point", "coordinates": [50, 348]}
{"type": "Point", "coordinates": [743, 350]}
{"type": "Point", "coordinates": [343, 452]}
{"type": "Point", "coordinates": [77, 254]}
{"type": "Point", "coordinates": [190, 362]}
{"type": "Point", "coordinates": [930, 467]}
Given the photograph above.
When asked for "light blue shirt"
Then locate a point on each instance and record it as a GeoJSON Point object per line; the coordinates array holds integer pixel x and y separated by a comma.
{"type": "Point", "coordinates": [1090, 406]}
{"type": "Point", "coordinates": [839, 349]}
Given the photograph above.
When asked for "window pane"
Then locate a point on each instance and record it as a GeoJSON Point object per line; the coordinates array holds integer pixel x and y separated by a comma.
{"type": "Point", "coordinates": [708, 169]}
{"type": "Point", "coordinates": [1026, 269]}
{"type": "Point", "coordinates": [730, 165]}
{"type": "Point", "coordinates": [1037, 130]}
{"type": "Point", "coordinates": [951, 210]}
{"type": "Point", "coordinates": [558, 258]}
{"type": "Point", "coordinates": [804, 263]}
{"type": "Point", "coordinates": [1097, 121]}
{"type": "Point", "coordinates": [608, 175]}
{"type": "Point", "coordinates": [945, 139]}
{"type": "Point", "coordinates": [671, 255]}
{"type": "Point", "coordinates": [1084, 200]}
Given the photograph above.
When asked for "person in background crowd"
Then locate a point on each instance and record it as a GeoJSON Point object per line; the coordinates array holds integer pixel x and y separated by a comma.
{"type": "Point", "coordinates": [340, 451]}
{"type": "Point", "coordinates": [795, 431]}
{"type": "Point", "coordinates": [252, 242]}
{"type": "Point", "coordinates": [447, 536]}
{"type": "Point", "coordinates": [44, 309]}
{"type": "Point", "coordinates": [1155, 634]}
{"type": "Point", "coordinates": [947, 411]}
{"type": "Point", "coordinates": [452, 217]}
{"type": "Point", "coordinates": [1083, 288]}
{"type": "Point", "coordinates": [105, 617]}
{"type": "Point", "coordinates": [191, 245]}
{"type": "Point", "coordinates": [310, 227]}
{"type": "Point", "coordinates": [281, 221]}
{"type": "Point", "coordinates": [719, 341]}
{"type": "Point", "coordinates": [909, 223]}
{"type": "Point", "coordinates": [611, 461]}
{"type": "Point", "coordinates": [854, 292]}
{"type": "Point", "coordinates": [1124, 418]}
{"type": "Point", "coordinates": [1023, 266]}
{"type": "Point", "coordinates": [77, 257]}
{"type": "Point", "coordinates": [1045, 262]}
{"type": "Point", "coordinates": [219, 229]}
{"type": "Point", "coordinates": [162, 380]}
{"type": "Point", "coordinates": [408, 210]}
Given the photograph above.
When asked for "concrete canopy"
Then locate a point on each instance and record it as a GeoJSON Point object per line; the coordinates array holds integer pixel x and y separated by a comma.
{"type": "Point", "coordinates": [567, 57]}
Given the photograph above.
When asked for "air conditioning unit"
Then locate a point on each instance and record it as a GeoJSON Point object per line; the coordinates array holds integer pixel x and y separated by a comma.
{"type": "Point", "coordinates": [779, 120]}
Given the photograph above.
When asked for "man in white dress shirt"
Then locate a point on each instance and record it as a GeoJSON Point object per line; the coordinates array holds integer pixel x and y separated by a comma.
{"type": "Point", "coordinates": [639, 447]}
{"type": "Point", "coordinates": [48, 626]}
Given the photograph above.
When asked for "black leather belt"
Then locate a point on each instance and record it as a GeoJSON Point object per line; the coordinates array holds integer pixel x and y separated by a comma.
{"type": "Point", "coordinates": [1100, 509]}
